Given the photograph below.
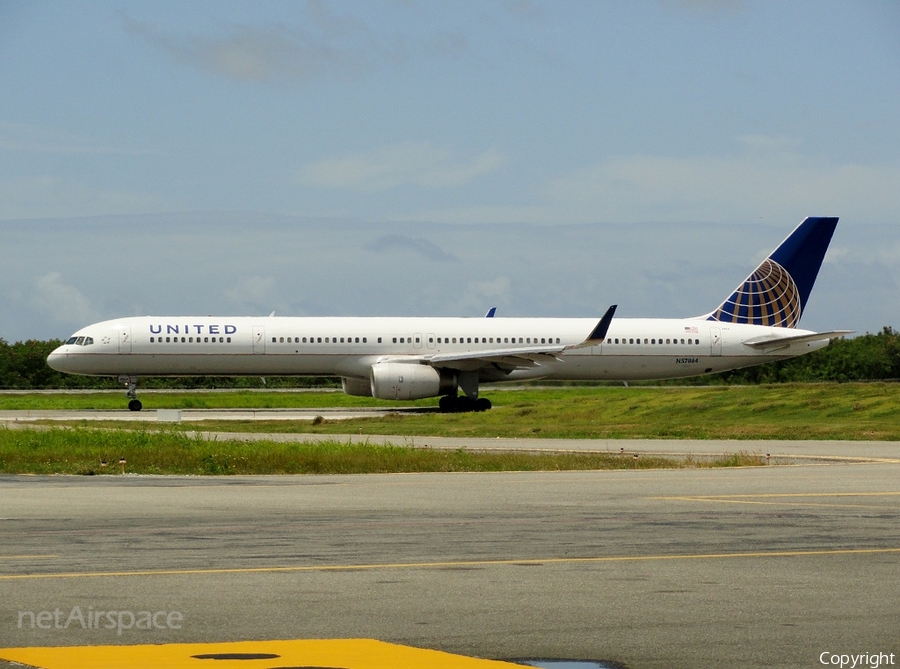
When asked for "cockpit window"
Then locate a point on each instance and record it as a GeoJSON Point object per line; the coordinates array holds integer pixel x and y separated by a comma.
{"type": "Point", "coordinates": [80, 341]}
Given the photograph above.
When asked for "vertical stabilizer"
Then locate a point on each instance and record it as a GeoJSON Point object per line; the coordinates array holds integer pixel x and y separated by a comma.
{"type": "Point", "coordinates": [776, 292]}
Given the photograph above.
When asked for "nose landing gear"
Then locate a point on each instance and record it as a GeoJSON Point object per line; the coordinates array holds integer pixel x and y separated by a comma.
{"type": "Point", "coordinates": [134, 403]}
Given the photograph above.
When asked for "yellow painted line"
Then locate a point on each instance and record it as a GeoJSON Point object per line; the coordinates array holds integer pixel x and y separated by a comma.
{"type": "Point", "coordinates": [27, 557]}
{"type": "Point", "coordinates": [344, 653]}
{"type": "Point", "coordinates": [801, 494]}
{"type": "Point", "coordinates": [790, 497]}
{"type": "Point", "coordinates": [451, 564]}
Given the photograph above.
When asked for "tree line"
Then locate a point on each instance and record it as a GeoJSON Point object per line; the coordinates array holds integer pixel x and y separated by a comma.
{"type": "Point", "coordinates": [869, 357]}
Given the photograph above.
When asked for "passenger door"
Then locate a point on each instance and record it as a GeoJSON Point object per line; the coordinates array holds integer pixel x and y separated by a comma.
{"type": "Point", "coordinates": [259, 339]}
{"type": "Point", "coordinates": [125, 339]}
{"type": "Point", "coordinates": [715, 341]}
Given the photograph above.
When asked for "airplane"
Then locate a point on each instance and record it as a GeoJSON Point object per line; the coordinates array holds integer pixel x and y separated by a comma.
{"type": "Point", "coordinates": [406, 358]}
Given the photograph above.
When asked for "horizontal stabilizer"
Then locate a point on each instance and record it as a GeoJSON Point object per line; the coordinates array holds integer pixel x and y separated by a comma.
{"type": "Point", "coordinates": [774, 341]}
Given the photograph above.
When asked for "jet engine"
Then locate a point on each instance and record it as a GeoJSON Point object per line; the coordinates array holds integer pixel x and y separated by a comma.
{"type": "Point", "coordinates": [358, 387]}
{"type": "Point", "coordinates": [410, 381]}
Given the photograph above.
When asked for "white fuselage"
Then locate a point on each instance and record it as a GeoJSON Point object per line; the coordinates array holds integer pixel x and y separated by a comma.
{"type": "Point", "coordinates": [634, 349]}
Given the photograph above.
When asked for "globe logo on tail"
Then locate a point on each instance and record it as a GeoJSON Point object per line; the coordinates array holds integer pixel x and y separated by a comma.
{"type": "Point", "coordinates": [769, 296]}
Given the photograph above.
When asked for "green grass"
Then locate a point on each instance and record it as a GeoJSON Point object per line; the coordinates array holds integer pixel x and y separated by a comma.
{"type": "Point", "coordinates": [191, 399]}
{"type": "Point", "coordinates": [82, 450]}
{"type": "Point", "coordinates": [784, 411]}
{"type": "Point", "coordinates": [796, 411]}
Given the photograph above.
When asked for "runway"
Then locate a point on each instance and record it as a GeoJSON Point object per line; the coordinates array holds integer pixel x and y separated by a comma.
{"type": "Point", "coordinates": [767, 567]}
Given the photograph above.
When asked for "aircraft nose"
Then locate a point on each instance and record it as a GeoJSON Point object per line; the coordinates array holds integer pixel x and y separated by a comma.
{"type": "Point", "coordinates": [57, 359]}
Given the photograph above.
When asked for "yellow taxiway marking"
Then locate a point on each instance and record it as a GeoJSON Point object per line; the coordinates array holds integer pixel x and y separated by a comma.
{"type": "Point", "coordinates": [27, 557]}
{"type": "Point", "coordinates": [336, 653]}
{"type": "Point", "coordinates": [792, 498]}
{"type": "Point", "coordinates": [453, 564]}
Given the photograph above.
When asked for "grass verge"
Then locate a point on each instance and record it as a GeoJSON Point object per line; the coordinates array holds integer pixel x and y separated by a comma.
{"type": "Point", "coordinates": [82, 450]}
{"type": "Point", "coordinates": [864, 411]}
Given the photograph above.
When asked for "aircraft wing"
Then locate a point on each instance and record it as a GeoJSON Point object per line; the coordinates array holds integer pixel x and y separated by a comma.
{"type": "Point", "coordinates": [505, 358]}
{"type": "Point", "coordinates": [776, 341]}
{"type": "Point", "coordinates": [518, 358]}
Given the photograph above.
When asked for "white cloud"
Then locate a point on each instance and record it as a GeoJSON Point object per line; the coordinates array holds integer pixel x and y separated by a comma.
{"type": "Point", "coordinates": [32, 138]}
{"type": "Point", "coordinates": [49, 196]}
{"type": "Point", "coordinates": [408, 164]}
{"type": "Point", "coordinates": [497, 288]}
{"type": "Point", "coordinates": [253, 290]}
{"type": "Point", "coordinates": [416, 245]}
{"type": "Point", "coordinates": [768, 178]}
{"type": "Point", "coordinates": [64, 303]}
{"type": "Point", "coordinates": [326, 44]}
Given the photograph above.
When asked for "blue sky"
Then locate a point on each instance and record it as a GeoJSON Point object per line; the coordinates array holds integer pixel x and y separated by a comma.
{"type": "Point", "coordinates": [433, 158]}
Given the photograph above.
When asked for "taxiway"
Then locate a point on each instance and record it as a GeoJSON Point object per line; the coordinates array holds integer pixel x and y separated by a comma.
{"type": "Point", "coordinates": [678, 569]}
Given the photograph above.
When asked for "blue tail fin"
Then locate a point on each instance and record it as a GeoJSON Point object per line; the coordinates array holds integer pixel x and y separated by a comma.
{"type": "Point", "coordinates": [777, 291]}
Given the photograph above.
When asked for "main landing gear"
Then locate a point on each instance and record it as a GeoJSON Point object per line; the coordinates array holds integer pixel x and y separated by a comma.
{"type": "Point", "coordinates": [134, 404]}
{"type": "Point", "coordinates": [461, 403]}
{"type": "Point", "coordinates": [469, 400]}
